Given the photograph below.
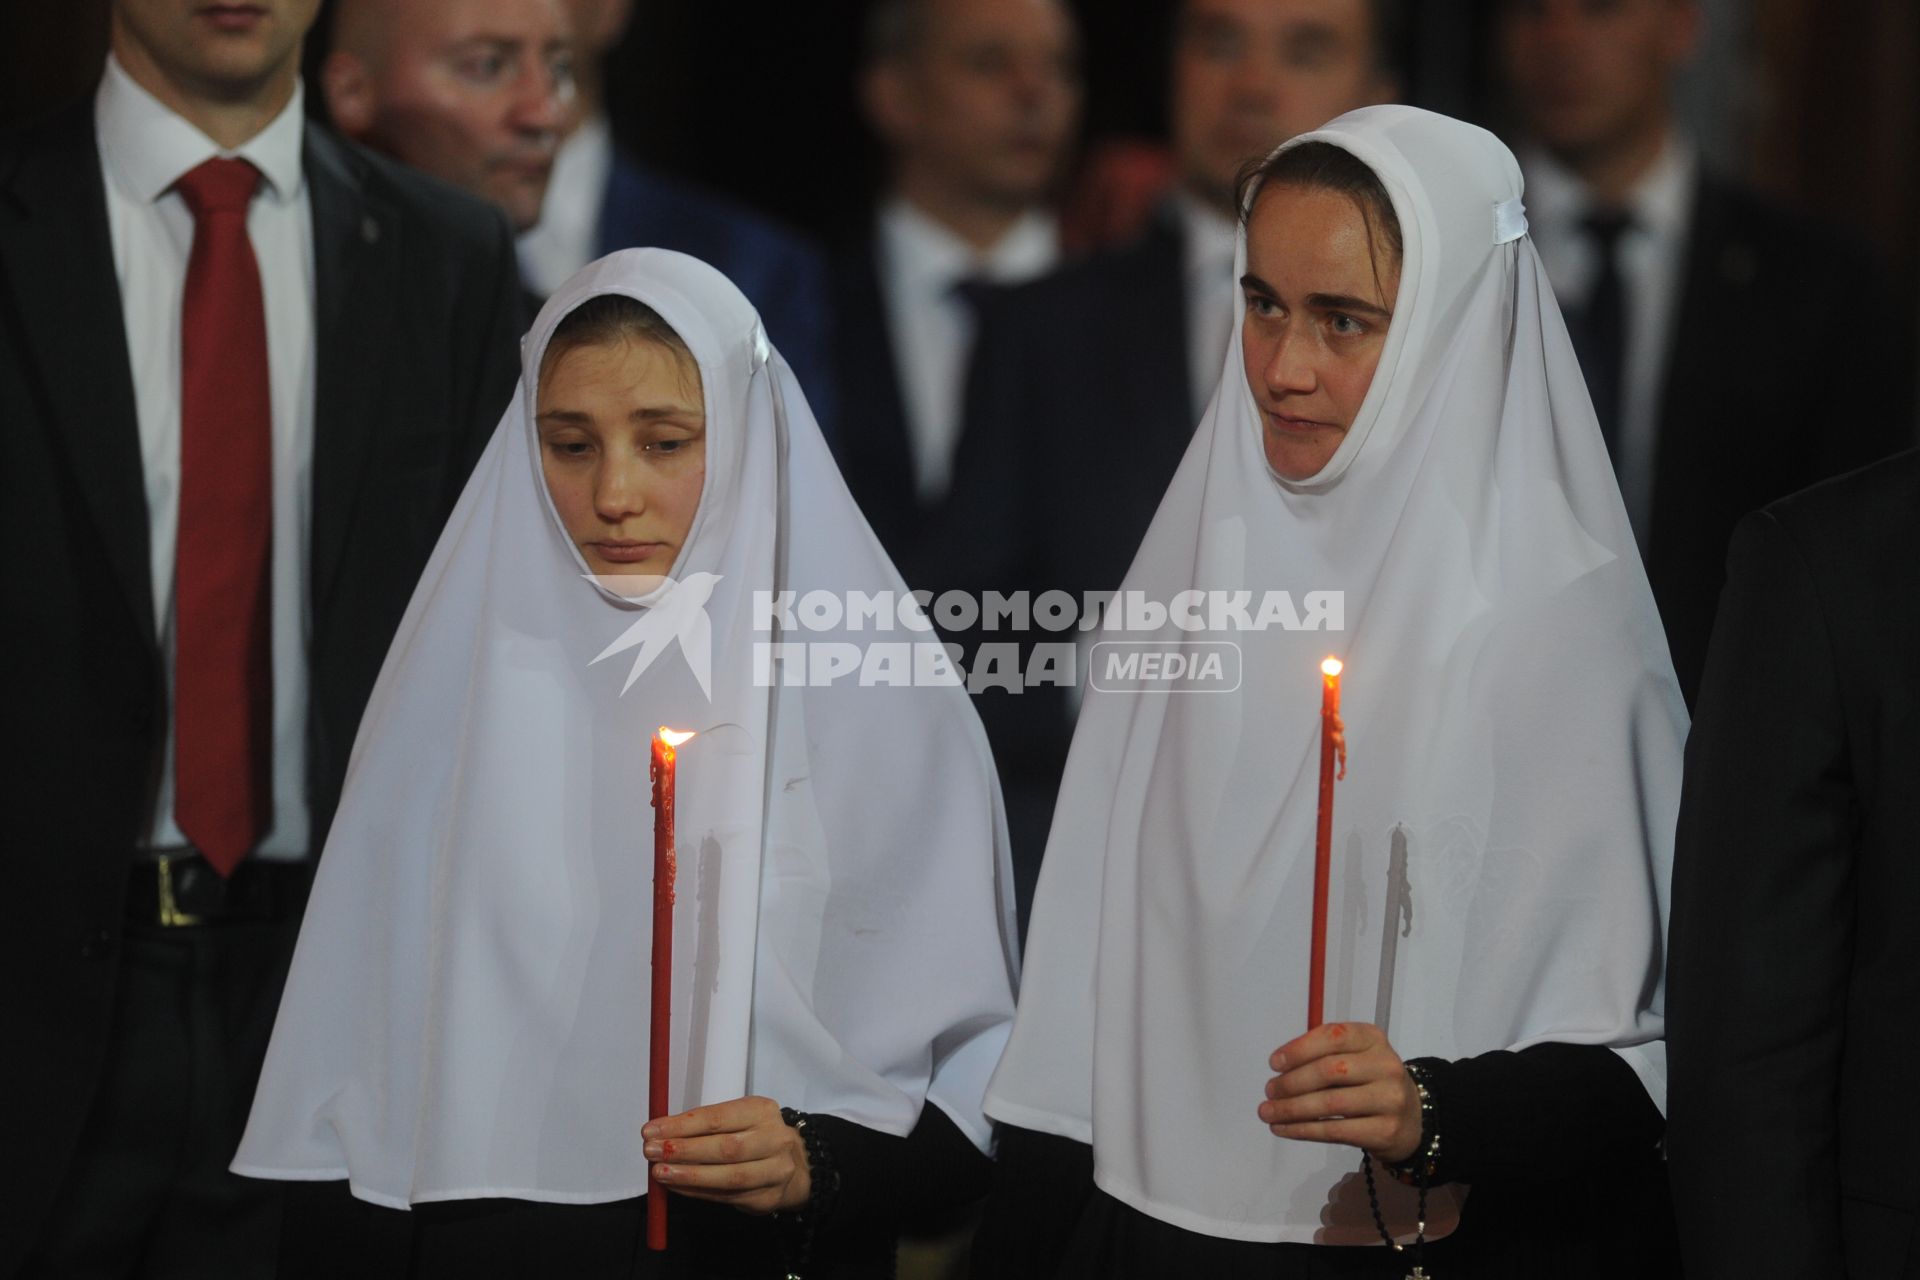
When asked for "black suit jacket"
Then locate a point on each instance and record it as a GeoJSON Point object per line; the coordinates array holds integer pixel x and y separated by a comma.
{"type": "Point", "coordinates": [1078, 410]}
{"type": "Point", "coordinates": [1793, 1003]}
{"type": "Point", "coordinates": [416, 329]}
{"type": "Point", "coordinates": [870, 436]}
{"type": "Point", "coordinates": [1787, 366]}
{"type": "Point", "coordinates": [1079, 407]}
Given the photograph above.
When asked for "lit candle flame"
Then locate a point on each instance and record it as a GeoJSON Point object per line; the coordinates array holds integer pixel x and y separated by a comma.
{"type": "Point", "coordinates": [673, 737]}
{"type": "Point", "coordinates": [1331, 666]}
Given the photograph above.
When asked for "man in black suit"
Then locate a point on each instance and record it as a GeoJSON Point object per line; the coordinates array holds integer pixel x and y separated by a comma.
{"type": "Point", "coordinates": [244, 370]}
{"type": "Point", "coordinates": [1794, 973]}
{"type": "Point", "coordinates": [1671, 277]}
{"type": "Point", "coordinates": [1086, 385]}
{"type": "Point", "coordinates": [976, 103]}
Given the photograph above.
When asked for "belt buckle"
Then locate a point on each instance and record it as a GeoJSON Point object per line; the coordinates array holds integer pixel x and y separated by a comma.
{"type": "Point", "coordinates": [171, 916]}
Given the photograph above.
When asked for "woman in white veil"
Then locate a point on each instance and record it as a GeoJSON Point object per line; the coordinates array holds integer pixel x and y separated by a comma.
{"type": "Point", "coordinates": [1401, 421]}
{"type": "Point", "coordinates": [466, 1021]}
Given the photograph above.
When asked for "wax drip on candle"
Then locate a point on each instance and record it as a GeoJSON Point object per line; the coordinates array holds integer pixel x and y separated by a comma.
{"type": "Point", "coordinates": [1333, 667]}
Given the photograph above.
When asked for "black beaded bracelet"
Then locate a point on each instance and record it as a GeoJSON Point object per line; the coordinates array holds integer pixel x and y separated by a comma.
{"type": "Point", "coordinates": [1422, 1168]}
{"type": "Point", "coordinates": [823, 1178]}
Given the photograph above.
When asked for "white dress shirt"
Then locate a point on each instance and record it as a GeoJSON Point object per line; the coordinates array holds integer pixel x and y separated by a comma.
{"type": "Point", "coordinates": [1652, 263]}
{"type": "Point", "coordinates": [931, 327]}
{"type": "Point", "coordinates": [144, 149]}
{"type": "Point", "coordinates": [567, 236]}
{"type": "Point", "coordinates": [1209, 240]}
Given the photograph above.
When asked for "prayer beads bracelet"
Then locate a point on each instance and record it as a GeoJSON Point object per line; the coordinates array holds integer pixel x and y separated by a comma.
{"type": "Point", "coordinates": [823, 1179]}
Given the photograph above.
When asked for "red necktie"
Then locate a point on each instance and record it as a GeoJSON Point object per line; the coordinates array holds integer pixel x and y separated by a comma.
{"type": "Point", "coordinates": [223, 664]}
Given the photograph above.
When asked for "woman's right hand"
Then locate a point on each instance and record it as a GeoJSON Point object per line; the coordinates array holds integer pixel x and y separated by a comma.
{"type": "Point", "coordinates": [739, 1153]}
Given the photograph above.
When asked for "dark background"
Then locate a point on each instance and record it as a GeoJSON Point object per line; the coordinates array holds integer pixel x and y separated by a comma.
{"type": "Point", "coordinates": [1814, 101]}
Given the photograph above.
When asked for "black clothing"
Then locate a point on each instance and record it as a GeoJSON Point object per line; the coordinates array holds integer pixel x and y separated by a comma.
{"type": "Point", "coordinates": [883, 1178]}
{"type": "Point", "coordinates": [1794, 978]}
{"type": "Point", "coordinates": [1734, 433]}
{"type": "Point", "coordinates": [1559, 1143]}
{"type": "Point", "coordinates": [191, 1020]}
{"type": "Point", "coordinates": [1078, 409]}
{"type": "Point", "coordinates": [415, 332]}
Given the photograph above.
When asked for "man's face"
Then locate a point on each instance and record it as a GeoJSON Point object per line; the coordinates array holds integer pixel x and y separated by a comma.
{"type": "Point", "coordinates": [1586, 74]}
{"type": "Point", "coordinates": [1249, 74]}
{"type": "Point", "coordinates": [990, 98]}
{"type": "Point", "coordinates": [471, 91]}
{"type": "Point", "coordinates": [224, 51]}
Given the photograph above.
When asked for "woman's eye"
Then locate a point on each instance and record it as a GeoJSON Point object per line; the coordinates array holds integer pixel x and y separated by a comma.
{"type": "Point", "coordinates": [1262, 307]}
{"type": "Point", "coordinates": [1345, 326]}
{"type": "Point", "coordinates": [569, 448]}
{"type": "Point", "coordinates": [665, 446]}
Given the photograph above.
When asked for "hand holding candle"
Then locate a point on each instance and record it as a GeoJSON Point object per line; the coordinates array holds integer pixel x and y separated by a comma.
{"type": "Point", "coordinates": [1333, 743]}
{"type": "Point", "coordinates": [661, 1014]}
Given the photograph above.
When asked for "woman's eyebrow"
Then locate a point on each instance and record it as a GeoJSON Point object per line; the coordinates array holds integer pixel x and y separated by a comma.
{"type": "Point", "coordinates": [1255, 283]}
{"type": "Point", "coordinates": [649, 412]}
{"type": "Point", "coordinates": [645, 413]}
{"type": "Point", "coordinates": [1345, 302]}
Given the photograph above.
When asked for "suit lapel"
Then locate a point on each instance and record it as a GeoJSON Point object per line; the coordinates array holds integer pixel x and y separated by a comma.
{"type": "Point", "coordinates": [876, 456]}
{"type": "Point", "coordinates": [356, 260]}
{"type": "Point", "coordinates": [56, 255]}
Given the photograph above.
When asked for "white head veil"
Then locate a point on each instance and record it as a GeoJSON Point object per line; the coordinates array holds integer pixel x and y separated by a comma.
{"type": "Point", "coordinates": [467, 1010]}
{"type": "Point", "coordinates": [1509, 704]}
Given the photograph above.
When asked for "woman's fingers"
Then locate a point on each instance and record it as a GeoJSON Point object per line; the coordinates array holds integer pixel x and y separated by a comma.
{"type": "Point", "coordinates": [1370, 1133]}
{"type": "Point", "coordinates": [1385, 1115]}
{"type": "Point", "coordinates": [1328, 1038]}
{"type": "Point", "coordinates": [1369, 1100]}
{"type": "Point", "coordinates": [740, 1153]}
{"type": "Point", "coordinates": [756, 1143]}
{"type": "Point", "coordinates": [1340, 1072]}
{"type": "Point", "coordinates": [721, 1117]}
{"type": "Point", "coordinates": [725, 1181]}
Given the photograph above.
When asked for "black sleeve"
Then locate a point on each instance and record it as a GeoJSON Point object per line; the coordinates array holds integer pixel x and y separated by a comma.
{"type": "Point", "coordinates": [497, 302]}
{"type": "Point", "coordinates": [885, 1179]}
{"type": "Point", "coordinates": [1542, 1113]}
{"type": "Point", "coordinates": [1762, 928]}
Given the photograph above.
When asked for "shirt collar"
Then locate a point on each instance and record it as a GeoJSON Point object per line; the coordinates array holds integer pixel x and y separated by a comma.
{"type": "Point", "coordinates": [1660, 202]}
{"type": "Point", "coordinates": [928, 250]}
{"type": "Point", "coordinates": [1209, 238]}
{"type": "Point", "coordinates": [147, 148]}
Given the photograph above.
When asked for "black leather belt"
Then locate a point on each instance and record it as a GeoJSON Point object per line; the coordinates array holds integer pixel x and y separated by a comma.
{"type": "Point", "coordinates": [182, 890]}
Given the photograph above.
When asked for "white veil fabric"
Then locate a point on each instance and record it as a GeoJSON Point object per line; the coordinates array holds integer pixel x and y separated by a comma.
{"type": "Point", "coordinates": [467, 1013]}
{"type": "Point", "coordinates": [1512, 718]}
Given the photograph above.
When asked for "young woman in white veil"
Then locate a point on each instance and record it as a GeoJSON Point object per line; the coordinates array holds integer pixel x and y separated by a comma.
{"type": "Point", "coordinates": [465, 1029]}
{"type": "Point", "coordinates": [1401, 420]}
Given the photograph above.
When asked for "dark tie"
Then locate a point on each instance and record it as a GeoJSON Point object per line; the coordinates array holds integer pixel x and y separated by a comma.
{"type": "Point", "coordinates": [976, 292]}
{"type": "Point", "coordinates": [1600, 337]}
{"type": "Point", "coordinates": [223, 665]}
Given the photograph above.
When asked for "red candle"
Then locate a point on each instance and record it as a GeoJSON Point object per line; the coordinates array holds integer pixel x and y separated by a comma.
{"type": "Point", "coordinates": [664, 865]}
{"type": "Point", "coordinates": [1333, 743]}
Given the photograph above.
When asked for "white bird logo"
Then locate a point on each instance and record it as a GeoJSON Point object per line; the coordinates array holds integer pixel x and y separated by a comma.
{"type": "Point", "coordinates": [680, 612]}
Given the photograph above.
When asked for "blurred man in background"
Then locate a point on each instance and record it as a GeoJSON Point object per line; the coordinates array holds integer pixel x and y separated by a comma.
{"type": "Point", "coordinates": [1794, 966]}
{"type": "Point", "coordinates": [1693, 302]}
{"type": "Point", "coordinates": [244, 370]}
{"type": "Point", "coordinates": [474, 92]}
{"type": "Point", "coordinates": [1099, 372]}
{"type": "Point", "coordinates": [601, 198]}
{"type": "Point", "coordinates": [976, 103]}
